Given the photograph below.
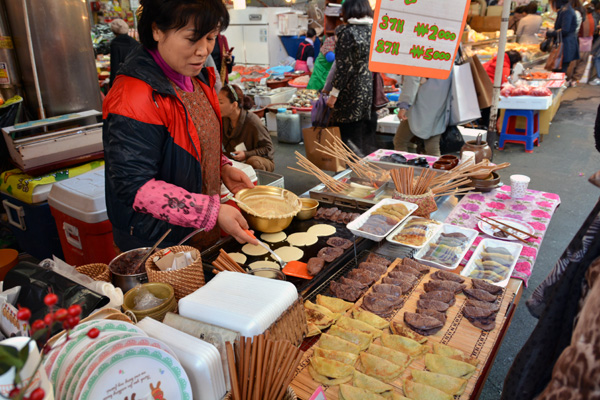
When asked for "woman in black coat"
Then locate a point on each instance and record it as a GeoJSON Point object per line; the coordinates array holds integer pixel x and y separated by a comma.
{"type": "Point", "coordinates": [566, 26]}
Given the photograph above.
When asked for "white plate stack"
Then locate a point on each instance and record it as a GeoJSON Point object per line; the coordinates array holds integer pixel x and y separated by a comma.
{"type": "Point", "coordinates": [201, 360]}
{"type": "Point", "coordinates": [240, 302]}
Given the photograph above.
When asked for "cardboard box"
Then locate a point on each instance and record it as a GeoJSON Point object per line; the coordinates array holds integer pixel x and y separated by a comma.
{"type": "Point", "coordinates": [525, 102]}
{"type": "Point", "coordinates": [485, 24]}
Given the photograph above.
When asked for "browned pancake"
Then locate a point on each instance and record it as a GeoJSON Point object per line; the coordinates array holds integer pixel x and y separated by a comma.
{"type": "Point", "coordinates": [449, 286]}
{"type": "Point", "coordinates": [407, 270]}
{"type": "Point", "coordinates": [405, 286]}
{"type": "Point", "coordinates": [447, 276]}
{"type": "Point", "coordinates": [488, 287]}
{"type": "Point", "coordinates": [403, 277]}
{"type": "Point", "coordinates": [345, 292]}
{"type": "Point", "coordinates": [374, 258]}
{"type": "Point", "coordinates": [439, 295]}
{"type": "Point", "coordinates": [314, 265]}
{"type": "Point", "coordinates": [482, 304]}
{"type": "Point", "coordinates": [432, 313]}
{"type": "Point", "coordinates": [480, 295]}
{"type": "Point", "coordinates": [422, 268]}
{"type": "Point", "coordinates": [386, 288]}
{"type": "Point", "coordinates": [432, 305]}
{"type": "Point", "coordinates": [363, 276]}
{"type": "Point", "coordinates": [377, 268]}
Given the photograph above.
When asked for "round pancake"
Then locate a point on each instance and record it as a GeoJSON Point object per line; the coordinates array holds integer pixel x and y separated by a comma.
{"type": "Point", "coordinates": [273, 237]}
{"type": "Point", "coordinates": [254, 250]}
{"type": "Point", "coordinates": [322, 230]}
{"type": "Point", "coordinates": [302, 239]}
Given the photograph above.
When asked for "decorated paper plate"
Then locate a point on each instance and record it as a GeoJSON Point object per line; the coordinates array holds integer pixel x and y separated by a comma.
{"type": "Point", "coordinates": [104, 353]}
{"type": "Point", "coordinates": [83, 358]}
{"type": "Point", "coordinates": [78, 340]}
{"type": "Point", "coordinates": [139, 372]}
{"type": "Point", "coordinates": [498, 234]}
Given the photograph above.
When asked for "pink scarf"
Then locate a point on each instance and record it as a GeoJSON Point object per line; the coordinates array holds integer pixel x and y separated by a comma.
{"type": "Point", "coordinates": [184, 82]}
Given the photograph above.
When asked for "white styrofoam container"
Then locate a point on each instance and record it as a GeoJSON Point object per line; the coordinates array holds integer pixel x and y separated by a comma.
{"type": "Point", "coordinates": [435, 228]}
{"type": "Point", "coordinates": [358, 222]}
{"type": "Point", "coordinates": [81, 197]}
{"type": "Point", "coordinates": [201, 360]}
{"type": "Point", "coordinates": [512, 247]}
{"type": "Point", "coordinates": [278, 95]}
{"type": "Point", "coordinates": [525, 102]}
{"type": "Point", "coordinates": [239, 302]}
{"type": "Point", "coordinates": [447, 228]}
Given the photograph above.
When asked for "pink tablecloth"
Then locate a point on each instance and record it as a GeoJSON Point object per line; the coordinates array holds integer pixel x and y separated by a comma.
{"type": "Point", "coordinates": [376, 155]}
{"type": "Point", "coordinates": [535, 209]}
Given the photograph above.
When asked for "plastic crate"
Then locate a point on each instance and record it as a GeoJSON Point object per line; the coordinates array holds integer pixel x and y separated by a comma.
{"type": "Point", "coordinates": [269, 179]}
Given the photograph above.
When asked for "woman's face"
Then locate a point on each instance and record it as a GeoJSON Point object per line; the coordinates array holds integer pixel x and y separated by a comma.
{"type": "Point", "coordinates": [181, 52]}
{"type": "Point", "coordinates": [227, 107]}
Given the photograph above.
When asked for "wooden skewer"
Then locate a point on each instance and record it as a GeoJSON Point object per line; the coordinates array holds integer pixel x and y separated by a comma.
{"type": "Point", "coordinates": [291, 373]}
{"type": "Point", "coordinates": [513, 228]}
{"type": "Point", "coordinates": [232, 374]}
{"type": "Point", "coordinates": [246, 366]}
{"type": "Point", "coordinates": [503, 230]}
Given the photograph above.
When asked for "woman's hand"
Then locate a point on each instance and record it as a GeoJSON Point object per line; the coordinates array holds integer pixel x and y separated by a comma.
{"type": "Point", "coordinates": [239, 155]}
{"type": "Point", "coordinates": [234, 179]}
{"type": "Point", "coordinates": [331, 101]}
{"type": "Point", "coordinates": [402, 114]}
{"type": "Point", "coordinates": [233, 223]}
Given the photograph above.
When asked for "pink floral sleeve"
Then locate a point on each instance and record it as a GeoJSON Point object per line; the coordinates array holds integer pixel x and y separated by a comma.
{"type": "Point", "coordinates": [177, 206]}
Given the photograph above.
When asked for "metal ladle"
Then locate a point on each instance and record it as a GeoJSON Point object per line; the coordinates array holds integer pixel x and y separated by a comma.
{"type": "Point", "coordinates": [143, 260]}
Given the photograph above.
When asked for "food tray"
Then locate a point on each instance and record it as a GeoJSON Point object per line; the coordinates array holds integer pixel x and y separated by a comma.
{"type": "Point", "coordinates": [358, 222]}
{"type": "Point", "coordinates": [447, 228]}
{"type": "Point", "coordinates": [515, 251]}
{"type": "Point", "coordinates": [390, 237]}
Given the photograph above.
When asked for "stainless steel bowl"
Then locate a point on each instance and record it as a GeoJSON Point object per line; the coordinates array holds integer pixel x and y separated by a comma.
{"type": "Point", "coordinates": [128, 282]}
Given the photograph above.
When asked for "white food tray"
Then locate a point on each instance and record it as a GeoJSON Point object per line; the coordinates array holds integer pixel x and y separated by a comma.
{"type": "Point", "coordinates": [525, 102]}
{"type": "Point", "coordinates": [358, 222]}
{"type": "Point", "coordinates": [435, 228]}
{"type": "Point", "coordinates": [447, 228]}
{"type": "Point", "coordinates": [512, 247]}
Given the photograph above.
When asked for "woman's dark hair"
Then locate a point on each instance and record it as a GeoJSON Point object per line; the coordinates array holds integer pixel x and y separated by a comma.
{"type": "Point", "coordinates": [207, 15]}
{"type": "Point", "coordinates": [234, 93]}
{"type": "Point", "coordinates": [519, 10]}
{"type": "Point", "coordinates": [310, 33]}
{"type": "Point", "coordinates": [356, 9]}
{"type": "Point", "coordinates": [531, 8]}
{"type": "Point", "coordinates": [514, 57]}
{"type": "Point", "coordinates": [579, 7]}
{"type": "Point", "coordinates": [558, 4]}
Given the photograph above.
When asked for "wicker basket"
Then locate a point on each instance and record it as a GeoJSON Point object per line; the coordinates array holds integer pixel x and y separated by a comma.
{"type": "Point", "coordinates": [425, 201]}
{"type": "Point", "coordinates": [98, 272]}
{"type": "Point", "coordinates": [288, 395]}
{"type": "Point", "coordinates": [184, 280]}
{"type": "Point", "coordinates": [291, 325]}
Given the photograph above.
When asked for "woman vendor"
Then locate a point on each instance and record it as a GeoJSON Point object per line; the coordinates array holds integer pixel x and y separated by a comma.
{"type": "Point", "coordinates": [244, 135]}
{"type": "Point", "coordinates": [162, 133]}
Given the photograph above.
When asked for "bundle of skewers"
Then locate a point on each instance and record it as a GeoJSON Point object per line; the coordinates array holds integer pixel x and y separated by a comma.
{"type": "Point", "coordinates": [311, 169]}
{"type": "Point", "coordinates": [361, 167]}
{"type": "Point", "coordinates": [406, 183]}
{"type": "Point", "coordinates": [261, 368]}
{"type": "Point", "coordinates": [224, 262]}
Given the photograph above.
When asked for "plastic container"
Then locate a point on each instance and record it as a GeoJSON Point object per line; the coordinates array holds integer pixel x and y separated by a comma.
{"type": "Point", "coordinates": [277, 95]}
{"type": "Point", "coordinates": [33, 226]}
{"type": "Point", "coordinates": [471, 234]}
{"type": "Point", "coordinates": [513, 248]}
{"type": "Point", "coordinates": [355, 225]}
{"type": "Point", "coordinates": [288, 126]}
{"type": "Point", "coordinates": [79, 208]}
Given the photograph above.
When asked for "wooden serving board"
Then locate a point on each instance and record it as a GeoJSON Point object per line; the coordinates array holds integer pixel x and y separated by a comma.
{"type": "Point", "coordinates": [458, 332]}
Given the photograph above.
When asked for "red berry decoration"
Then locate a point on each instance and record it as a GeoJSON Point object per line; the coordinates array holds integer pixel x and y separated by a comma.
{"type": "Point", "coordinates": [93, 333]}
{"type": "Point", "coordinates": [73, 321]}
{"type": "Point", "coordinates": [49, 319]}
{"type": "Point", "coordinates": [38, 324]}
{"type": "Point", "coordinates": [37, 394]}
{"type": "Point", "coordinates": [14, 393]}
{"type": "Point", "coordinates": [75, 310]}
{"type": "Point", "coordinates": [50, 299]}
{"type": "Point", "coordinates": [23, 314]}
{"type": "Point", "coordinates": [61, 314]}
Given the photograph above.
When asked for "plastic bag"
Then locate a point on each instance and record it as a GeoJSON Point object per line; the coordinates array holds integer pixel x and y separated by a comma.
{"type": "Point", "coordinates": [507, 90]}
{"type": "Point", "coordinates": [451, 140]}
{"type": "Point", "coordinates": [144, 300]}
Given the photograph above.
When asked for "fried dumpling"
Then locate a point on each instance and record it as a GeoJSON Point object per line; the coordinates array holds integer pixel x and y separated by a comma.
{"type": "Point", "coordinates": [341, 356]}
{"type": "Point", "coordinates": [325, 380]}
{"type": "Point", "coordinates": [361, 339]}
{"type": "Point", "coordinates": [370, 318]}
{"type": "Point", "coordinates": [379, 368]}
{"type": "Point", "coordinates": [403, 345]}
{"type": "Point", "coordinates": [449, 366]}
{"type": "Point", "coordinates": [348, 392]}
{"type": "Point", "coordinates": [335, 305]}
{"type": "Point", "coordinates": [391, 355]}
{"type": "Point", "coordinates": [451, 352]}
{"type": "Point", "coordinates": [323, 310]}
{"type": "Point", "coordinates": [317, 318]}
{"type": "Point", "coordinates": [331, 368]}
{"type": "Point", "coordinates": [363, 381]}
{"type": "Point", "coordinates": [399, 329]}
{"type": "Point", "coordinates": [419, 391]}
{"type": "Point", "coordinates": [394, 396]}
{"type": "Point", "coordinates": [446, 383]}
{"type": "Point", "coordinates": [349, 323]}
{"type": "Point", "coordinates": [313, 330]}
{"type": "Point", "coordinates": [329, 342]}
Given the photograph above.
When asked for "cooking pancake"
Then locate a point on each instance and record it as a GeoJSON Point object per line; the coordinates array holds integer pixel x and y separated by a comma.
{"type": "Point", "coordinates": [399, 329]}
{"type": "Point", "coordinates": [345, 292]}
{"type": "Point", "coordinates": [273, 237]}
{"type": "Point", "coordinates": [349, 323]}
{"type": "Point", "coordinates": [331, 368]}
{"type": "Point", "coordinates": [330, 254]}
{"type": "Point", "coordinates": [238, 258]}
{"type": "Point", "coordinates": [405, 286]}
{"type": "Point", "coordinates": [364, 381]}
{"type": "Point", "coordinates": [370, 318]}
{"type": "Point", "coordinates": [445, 383]}
{"type": "Point", "coordinates": [433, 305]}
{"type": "Point", "coordinates": [403, 344]}
{"type": "Point", "coordinates": [348, 392]}
{"type": "Point", "coordinates": [339, 242]}
{"type": "Point", "coordinates": [422, 268]}
{"type": "Point", "coordinates": [391, 355]}
{"type": "Point", "coordinates": [341, 356]}
{"type": "Point", "coordinates": [448, 366]}
{"type": "Point", "coordinates": [450, 286]}
{"type": "Point", "coordinates": [314, 265]}
{"type": "Point", "coordinates": [289, 253]}
{"type": "Point", "coordinates": [334, 305]}
{"type": "Point", "coordinates": [322, 229]}
{"type": "Point", "coordinates": [419, 391]}
{"type": "Point", "coordinates": [361, 339]}
{"type": "Point", "coordinates": [302, 239]}
{"type": "Point", "coordinates": [379, 368]}
{"type": "Point", "coordinates": [254, 250]}
{"type": "Point", "coordinates": [480, 295]}
{"type": "Point", "coordinates": [439, 295]}
{"type": "Point", "coordinates": [432, 313]}
{"type": "Point", "coordinates": [447, 276]}
{"type": "Point", "coordinates": [325, 380]}
{"type": "Point", "coordinates": [329, 342]}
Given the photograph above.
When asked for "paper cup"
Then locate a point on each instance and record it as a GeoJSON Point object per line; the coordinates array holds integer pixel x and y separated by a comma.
{"type": "Point", "coordinates": [39, 379]}
{"type": "Point", "coordinates": [518, 186]}
{"type": "Point", "coordinates": [467, 158]}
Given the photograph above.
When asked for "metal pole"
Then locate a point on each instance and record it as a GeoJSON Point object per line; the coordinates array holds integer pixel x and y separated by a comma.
{"type": "Point", "coordinates": [36, 81]}
{"type": "Point", "coordinates": [492, 135]}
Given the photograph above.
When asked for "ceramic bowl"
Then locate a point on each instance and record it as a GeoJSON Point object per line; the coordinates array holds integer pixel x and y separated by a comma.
{"type": "Point", "coordinates": [450, 158]}
{"type": "Point", "coordinates": [443, 165]}
{"type": "Point", "coordinates": [309, 209]}
{"type": "Point", "coordinates": [489, 182]}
